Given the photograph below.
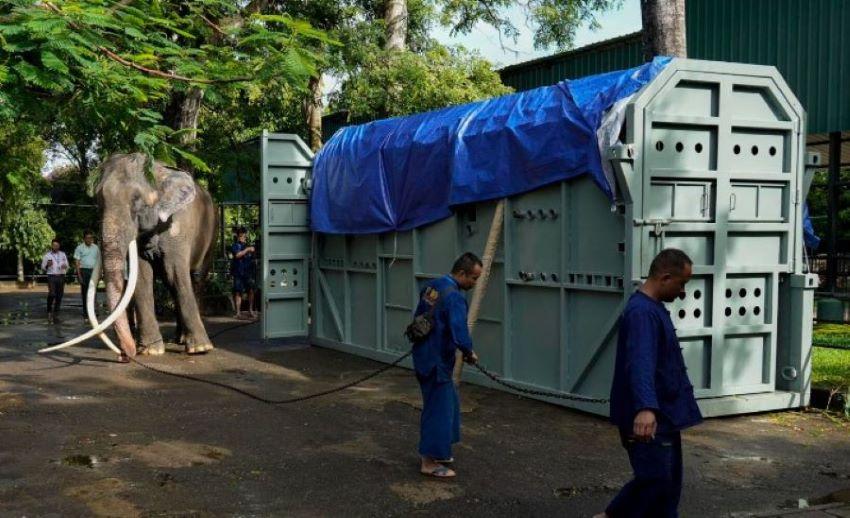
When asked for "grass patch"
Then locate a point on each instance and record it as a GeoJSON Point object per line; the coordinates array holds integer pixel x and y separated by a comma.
{"type": "Point", "coordinates": [831, 368]}
{"type": "Point", "coordinates": [837, 335]}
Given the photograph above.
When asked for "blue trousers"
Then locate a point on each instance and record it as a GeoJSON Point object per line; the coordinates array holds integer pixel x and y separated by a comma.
{"type": "Point", "coordinates": [657, 486]}
{"type": "Point", "coordinates": [439, 425]}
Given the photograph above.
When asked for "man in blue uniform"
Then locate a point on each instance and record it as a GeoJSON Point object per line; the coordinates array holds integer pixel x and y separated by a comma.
{"type": "Point", "coordinates": [652, 399]}
{"type": "Point", "coordinates": [243, 271]}
{"type": "Point", "coordinates": [434, 358]}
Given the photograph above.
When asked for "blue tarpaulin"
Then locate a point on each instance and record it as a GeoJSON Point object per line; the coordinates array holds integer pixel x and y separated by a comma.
{"type": "Point", "coordinates": [401, 173]}
{"type": "Point", "coordinates": [809, 237]}
{"type": "Point", "coordinates": [405, 172]}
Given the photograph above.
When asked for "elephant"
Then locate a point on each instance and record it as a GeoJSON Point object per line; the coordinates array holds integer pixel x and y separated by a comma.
{"type": "Point", "coordinates": [171, 222]}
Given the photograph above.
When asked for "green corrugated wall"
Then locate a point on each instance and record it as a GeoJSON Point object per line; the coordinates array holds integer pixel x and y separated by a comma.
{"type": "Point", "coordinates": [615, 54]}
{"type": "Point", "coordinates": [806, 40]}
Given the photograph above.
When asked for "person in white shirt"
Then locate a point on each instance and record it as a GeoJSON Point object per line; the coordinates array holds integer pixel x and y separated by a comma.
{"type": "Point", "coordinates": [86, 256]}
{"type": "Point", "coordinates": [55, 264]}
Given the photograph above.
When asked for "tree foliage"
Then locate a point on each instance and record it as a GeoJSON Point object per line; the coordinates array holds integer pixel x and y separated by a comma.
{"type": "Point", "coordinates": [115, 64]}
{"type": "Point", "coordinates": [23, 227]}
{"type": "Point", "coordinates": [392, 83]}
{"type": "Point", "coordinates": [818, 205]}
{"type": "Point", "coordinates": [554, 22]}
{"type": "Point", "coordinates": [29, 233]}
{"type": "Point", "coordinates": [376, 83]}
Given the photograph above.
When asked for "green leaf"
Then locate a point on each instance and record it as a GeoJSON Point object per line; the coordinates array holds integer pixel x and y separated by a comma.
{"type": "Point", "coordinates": [12, 30]}
{"type": "Point", "coordinates": [145, 141]}
{"type": "Point", "coordinates": [134, 33]}
{"type": "Point", "coordinates": [19, 46]}
{"type": "Point", "coordinates": [29, 73]}
{"type": "Point", "coordinates": [44, 27]}
{"type": "Point", "coordinates": [196, 162]}
{"type": "Point", "coordinates": [51, 61]}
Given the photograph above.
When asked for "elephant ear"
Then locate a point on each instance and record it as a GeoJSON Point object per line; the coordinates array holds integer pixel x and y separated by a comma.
{"type": "Point", "coordinates": [176, 191]}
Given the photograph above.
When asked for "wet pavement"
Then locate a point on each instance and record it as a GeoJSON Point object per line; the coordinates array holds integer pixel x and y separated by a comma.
{"type": "Point", "coordinates": [83, 435]}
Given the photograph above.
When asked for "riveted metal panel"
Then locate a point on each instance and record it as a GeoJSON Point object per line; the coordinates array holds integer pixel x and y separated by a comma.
{"type": "Point", "coordinates": [724, 180]}
{"type": "Point", "coordinates": [286, 238]}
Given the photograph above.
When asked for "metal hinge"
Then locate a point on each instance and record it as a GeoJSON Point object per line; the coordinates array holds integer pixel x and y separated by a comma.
{"type": "Point", "coordinates": [307, 184]}
{"type": "Point", "coordinates": [657, 230]}
{"type": "Point", "coordinates": [621, 152]}
{"type": "Point", "coordinates": [658, 223]}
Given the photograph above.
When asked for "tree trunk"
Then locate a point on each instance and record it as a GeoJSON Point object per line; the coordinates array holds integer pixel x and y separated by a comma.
{"type": "Point", "coordinates": [20, 272]}
{"type": "Point", "coordinates": [182, 113]}
{"type": "Point", "coordinates": [313, 112]}
{"type": "Point", "coordinates": [190, 108]}
{"type": "Point", "coordinates": [663, 28]}
{"type": "Point", "coordinates": [395, 17]}
{"type": "Point", "coordinates": [82, 157]}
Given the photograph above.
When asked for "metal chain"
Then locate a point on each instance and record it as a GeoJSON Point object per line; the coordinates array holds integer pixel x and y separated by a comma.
{"type": "Point", "coordinates": [571, 397]}
{"type": "Point", "coordinates": [275, 401]}
{"type": "Point", "coordinates": [490, 375]}
{"type": "Point", "coordinates": [530, 392]}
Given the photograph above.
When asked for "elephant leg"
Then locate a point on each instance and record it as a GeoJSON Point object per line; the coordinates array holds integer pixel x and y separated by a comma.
{"type": "Point", "coordinates": [179, 326]}
{"type": "Point", "coordinates": [196, 339]}
{"type": "Point", "coordinates": [150, 339]}
{"type": "Point", "coordinates": [180, 329]}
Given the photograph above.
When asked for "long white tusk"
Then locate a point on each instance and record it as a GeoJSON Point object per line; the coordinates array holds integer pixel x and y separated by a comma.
{"type": "Point", "coordinates": [90, 295]}
{"type": "Point", "coordinates": [119, 309]}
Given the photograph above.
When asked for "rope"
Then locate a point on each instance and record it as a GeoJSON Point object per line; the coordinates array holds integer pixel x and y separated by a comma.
{"type": "Point", "coordinates": [490, 247]}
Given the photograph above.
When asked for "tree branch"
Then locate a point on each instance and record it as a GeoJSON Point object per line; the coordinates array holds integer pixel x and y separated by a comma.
{"type": "Point", "coordinates": [149, 71]}
{"type": "Point", "coordinates": [120, 5]}
{"type": "Point", "coordinates": [215, 27]}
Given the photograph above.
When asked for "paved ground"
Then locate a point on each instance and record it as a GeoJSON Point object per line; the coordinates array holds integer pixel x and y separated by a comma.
{"type": "Point", "coordinates": [83, 435]}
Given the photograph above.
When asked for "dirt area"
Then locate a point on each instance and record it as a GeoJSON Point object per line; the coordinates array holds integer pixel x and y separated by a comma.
{"type": "Point", "coordinates": [86, 436]}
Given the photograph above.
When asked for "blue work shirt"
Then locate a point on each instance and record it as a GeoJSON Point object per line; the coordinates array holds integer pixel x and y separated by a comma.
{"type": "Point", "coordinates": [243, 266]}
{"type": "Point", "coordinates": [436, 354]}
{"type": "Point", "coordinates": [650, 370]}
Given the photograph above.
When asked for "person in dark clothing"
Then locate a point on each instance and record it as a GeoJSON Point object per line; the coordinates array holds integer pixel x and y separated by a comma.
{"type": "Point", "coordinates": [433, 361]}
{"type": "Point", "coordinates": [652, 399]}
{"type": "Point", "coordinates": [244, 272]}
{"type": "Point", "coordinates": [55, 264]}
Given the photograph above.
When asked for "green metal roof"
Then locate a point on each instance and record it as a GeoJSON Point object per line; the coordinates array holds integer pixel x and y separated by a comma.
{"type": "Point", "coordinates": [806, 40]}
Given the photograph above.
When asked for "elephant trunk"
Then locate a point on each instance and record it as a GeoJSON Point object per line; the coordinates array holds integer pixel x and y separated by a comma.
{"type": "Point", "coordinates": [113, 276]}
